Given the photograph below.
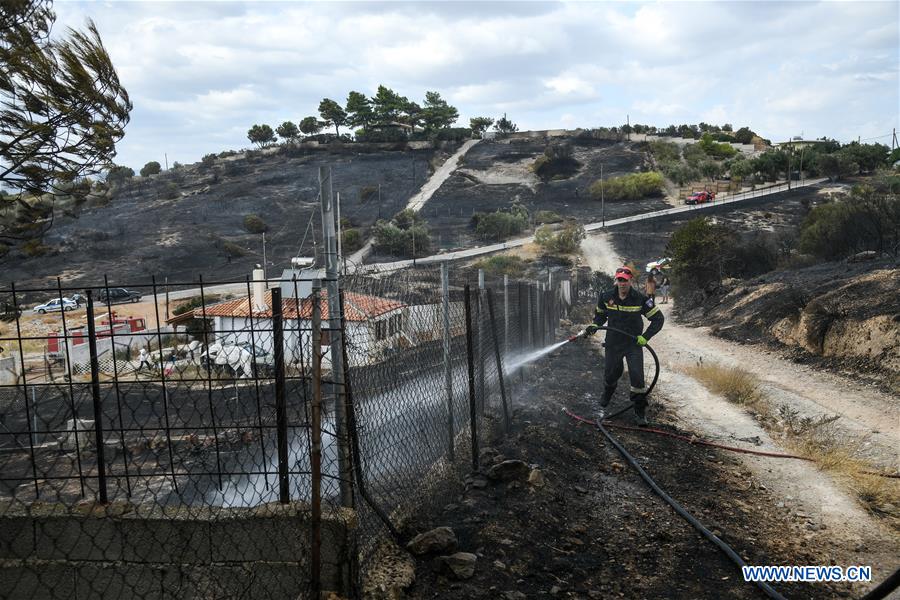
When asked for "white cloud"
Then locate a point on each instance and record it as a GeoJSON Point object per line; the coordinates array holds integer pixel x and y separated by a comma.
{"type": "Point", "coordinates": [202, 73]}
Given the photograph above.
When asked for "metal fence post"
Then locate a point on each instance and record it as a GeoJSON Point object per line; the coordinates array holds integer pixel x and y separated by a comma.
{"type": "Point", "coordinates": [479, 314]}
{"type": "Point", "coordinates": [315, 452]}
{"type": "Point", "coordinates": [448, 375]}
{"type": "Point", "coordinates": [506, 314]}
{"type": "Point", "coordinates": [473, 419]}
{"type": "Point", "coordinates": [332, 267]}
{"type": "Point", "coordinates": [280, 404]}
{"type": "Point", "coordinates": [95, 393]}
{"type": "Point", "coordinates": [500, 376]}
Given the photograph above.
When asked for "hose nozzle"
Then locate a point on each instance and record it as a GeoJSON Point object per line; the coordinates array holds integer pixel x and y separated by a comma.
{"type": "Point", "coordinates": [577, 335]}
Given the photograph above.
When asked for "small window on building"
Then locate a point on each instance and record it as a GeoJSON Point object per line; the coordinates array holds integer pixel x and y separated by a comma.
{"type": "Point", "coordinates": [380, 330]}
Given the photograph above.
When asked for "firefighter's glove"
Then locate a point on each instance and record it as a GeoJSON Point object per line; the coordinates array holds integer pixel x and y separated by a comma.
{"type": "Point", "coordinates": [591, 329]}
{"type": "Point", "coordinates": [641, 341]}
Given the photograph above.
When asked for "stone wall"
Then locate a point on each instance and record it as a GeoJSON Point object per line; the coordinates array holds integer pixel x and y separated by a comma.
{"type": "Point", "coordinates": [129, 551]}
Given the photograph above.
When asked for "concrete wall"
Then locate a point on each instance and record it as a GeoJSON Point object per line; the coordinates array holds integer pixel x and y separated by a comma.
{"type": "Point", "coordinates": [9, 369]}
{"type": "Point", "coordinates": [147, 553]}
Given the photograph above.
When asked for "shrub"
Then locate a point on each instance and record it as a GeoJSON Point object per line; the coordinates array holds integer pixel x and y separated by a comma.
{"type": "Point", "coordinates": [542, 217]}
{"type": "Point", "coordinates": [715, 149]}
{"type": "Point", "coordinates": [453, 134]}
{"type": "Point", "coordinates": [698, 252]}
{"type": "Point", "coordinates": [499, 225]}
{"type": "Point", "coordinates": [411, 243]}
{"type": "Point", "coordinates": [254, 224]}
{"type": "Point", "coordinates": [557, 162]}
{"type": "Point", "coordinates": [34, 248]}
{"type": "Point", "coordinates": [351, 240]}
{"type": "Point", "coordinates": [867, 220]}
{"type": "Point", "coordinates": [664, 151]}
{"type": "Point", "coordinates": [170, 191]}
{"type": "Point", "coordinates": [629, 187]}
{"type": "Point", "coordinates": [208, 161]}
{"type": "Point", "coordinates": [565, 241]}
{"type": "Point", "coordinates": [118, 175]}
{"type": "Point", "coordinates": [405, 235]}
{"type": "Point", "coordinates": [232, 250]}
{"type": "Point", "coordinates": [502, 265]}
{"type": "Point", "coordinates": [366, 193]}
{"type": "Point", "coordinates": [151, 168]}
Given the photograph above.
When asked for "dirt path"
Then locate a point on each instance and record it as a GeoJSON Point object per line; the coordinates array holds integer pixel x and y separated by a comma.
{"type": "Point", "coordinates": [864, 412]}
{"type": "Point", "coordinates": [798, 486]}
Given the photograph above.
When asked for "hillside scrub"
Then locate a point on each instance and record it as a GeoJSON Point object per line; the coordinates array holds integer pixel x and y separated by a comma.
{"type": "Point", "coordinates": [406, 235]}
{"type": "Point", "coordinates": [628, 187]}
{"type": "Point", "coordinates": [557, 162]}
{"type": "Point", "coordinates": [866, 219]}
{"type": "Point", "coordinates": [501, 224]}
{"type": "Point", "coordinates": [255, 224]}
{"type": "Point", "coordinates": [565, 241]}
{"type": "Point", "coordinates": [502, 264]}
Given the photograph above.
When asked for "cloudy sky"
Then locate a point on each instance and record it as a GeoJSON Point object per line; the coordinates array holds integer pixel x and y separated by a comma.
{"type": "Point", "coordinates": [201, 73]}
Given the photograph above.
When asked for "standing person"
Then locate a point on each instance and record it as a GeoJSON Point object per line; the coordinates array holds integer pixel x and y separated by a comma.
{"type": "Point", "coordinates": [145, 360]}
{"type": "Point", "coordinates": [650, 286]}
{"type": "Point", "coordinates": [623, 306]}
{"type": "Point", "coordinates": [664, 289]}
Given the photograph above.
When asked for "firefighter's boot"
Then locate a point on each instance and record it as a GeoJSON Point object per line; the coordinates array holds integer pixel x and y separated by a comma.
{"type": "Point", "coordinates": [607, 396]}
{"type": "Point", "coordinates": [640, 409]}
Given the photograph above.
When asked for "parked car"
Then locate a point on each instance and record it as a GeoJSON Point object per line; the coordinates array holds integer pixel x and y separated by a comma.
{"type": "Point", "coordinates": [55, 305]}
{"type": "Point", "coordinates": [701, 197]}
{"type": "Point", "coordinates": [118, 295]}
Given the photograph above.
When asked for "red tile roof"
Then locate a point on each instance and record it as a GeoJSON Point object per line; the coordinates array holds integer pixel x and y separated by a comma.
{"type": "Point", "coordinates": [357, 307]}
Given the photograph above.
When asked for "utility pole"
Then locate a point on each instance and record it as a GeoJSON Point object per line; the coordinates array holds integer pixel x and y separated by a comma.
{"type": "Point", "coordinates": [166, 157]}
{"type": "Point", "coordinates": [628, 123]}
{"type": "Point", "coordinates": [332, 284]}
{"type": "Point", "coordinates": [340, 250]}
{"type": "Point", "coordinates": [264, 255]}
{"type": "Point", "coordinates": [894, 143]}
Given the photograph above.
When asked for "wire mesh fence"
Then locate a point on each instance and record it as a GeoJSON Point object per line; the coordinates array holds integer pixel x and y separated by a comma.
{"type": "Point", "coordinates": [245, 439]}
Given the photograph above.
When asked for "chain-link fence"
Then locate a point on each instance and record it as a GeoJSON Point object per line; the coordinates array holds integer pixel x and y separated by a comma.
{"type": "Point", "coordinates": [248, 439]}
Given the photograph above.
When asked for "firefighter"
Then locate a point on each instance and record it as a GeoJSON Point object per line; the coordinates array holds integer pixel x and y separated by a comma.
{"type": "Point", "coordinates": [622, 307]}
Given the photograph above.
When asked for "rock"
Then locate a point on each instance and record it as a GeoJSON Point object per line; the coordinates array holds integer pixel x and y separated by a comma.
{"type": "Point", "coordinates": [579, 489]}
{"type": "Point", "coordinates": [555, 590]}
{"type": "Point", "coordinates": [536, 478]}
{"type": "Point", "coordinates": [488, 456]}
{"type": "Point", "coordinates": [439, 539]}
{"type": "Point", "coordinates": [509, 470]}
{"type": "Point", "coordinates": [514, 596]}
{"type": "Point", "coordinates": [499, 565]}
{"type": "Point", "coordinates": [461, 564]}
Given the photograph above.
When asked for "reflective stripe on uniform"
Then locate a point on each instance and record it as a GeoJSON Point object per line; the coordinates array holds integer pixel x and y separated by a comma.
{"type": "Point", "coordinates": [635, 390]}
{"type": "Point", "coordinates": [629, 308]}
{"type": "Point", "coordinates": [652, 312]}
{"type": "Point", "coordinates": [599, 311]}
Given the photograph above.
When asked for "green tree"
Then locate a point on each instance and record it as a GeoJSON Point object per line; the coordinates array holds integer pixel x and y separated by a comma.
{"type": "Point", "coordinates": [387, 106]}
{"type": "Point", "coordinates": [117, 175]}
{"type": "Point", "coordinates": [261, 135]}
{"type": "Point", "coordinates": [288, 131]}
{"type": "Point", "coordinates": [151, 168]}
{"type": "Point", "coordinates": [699, 253]}
{"type": "Point", "coordinates": [62, 110]}
{"type": "Point", "coordinates": [436, 113]}
{"type": "Point", "coordinates": [332, 114]}
{"type": "Point", "coordinates": [310, 126]}
{"type": "Point", "coordinates": [359, 110]}
{"type": "Point", "coordinates": [505, 126]}
{"type": "Point", "coordinates": [480, 124]}
{"type": "Point", "coordinates": [412, 114]}
{"type": "Point", "coordinates": [744, 135]}
{"type": "Point", "coordinates": [740, 169]}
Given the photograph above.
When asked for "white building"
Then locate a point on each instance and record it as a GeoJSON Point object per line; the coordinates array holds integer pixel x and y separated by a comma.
{"type": "Point", "coordinates": [374, 326]}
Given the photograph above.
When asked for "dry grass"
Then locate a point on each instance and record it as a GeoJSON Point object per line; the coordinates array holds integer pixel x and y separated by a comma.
{"type": "Point", "coordinates": [735, 384]}
{"type": "Point", "coordinates": [819, 438]}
